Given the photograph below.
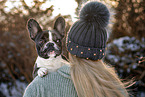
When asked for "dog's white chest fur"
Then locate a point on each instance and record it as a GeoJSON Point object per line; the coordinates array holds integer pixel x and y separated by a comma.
{"type": "Point", "coordinates": [51, 64]}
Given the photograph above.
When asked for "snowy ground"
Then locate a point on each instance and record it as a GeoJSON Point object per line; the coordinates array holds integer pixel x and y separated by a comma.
{"type": "Point", "coordinates": [125, 54]}
{"type": "Point", "coordinates": [9, 90]}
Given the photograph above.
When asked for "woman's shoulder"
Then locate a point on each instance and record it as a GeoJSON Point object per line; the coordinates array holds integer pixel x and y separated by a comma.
{"type": "Point", "coordinates": [62, 73]}
{"type": "Point", "coordinates": [59, 80]}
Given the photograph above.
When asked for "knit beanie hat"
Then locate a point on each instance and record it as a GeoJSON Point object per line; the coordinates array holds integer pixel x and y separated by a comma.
{"type": "Point", "coordinates": [87, 37]}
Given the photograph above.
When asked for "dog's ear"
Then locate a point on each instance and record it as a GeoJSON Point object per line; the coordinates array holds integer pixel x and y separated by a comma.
{"type": "Point", "coordinates": [33, 28]}
{"type": "Point", "coordinates": [59, 25]}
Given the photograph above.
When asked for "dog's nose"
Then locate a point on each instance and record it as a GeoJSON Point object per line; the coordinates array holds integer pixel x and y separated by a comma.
{"type": "Point", "coordinates": [50, 44]}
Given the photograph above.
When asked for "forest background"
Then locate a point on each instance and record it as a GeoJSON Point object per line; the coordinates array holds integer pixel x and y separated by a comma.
{"type": "Point", "coordinates": [125, 47]}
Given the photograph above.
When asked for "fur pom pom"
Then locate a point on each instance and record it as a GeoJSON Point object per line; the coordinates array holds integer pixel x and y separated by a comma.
{"type": "Point", "coordinates": [95, 12]}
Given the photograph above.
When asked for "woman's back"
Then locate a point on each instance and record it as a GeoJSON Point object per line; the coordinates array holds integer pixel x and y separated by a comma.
{"type": "Point", "coordinates": [55, 84]}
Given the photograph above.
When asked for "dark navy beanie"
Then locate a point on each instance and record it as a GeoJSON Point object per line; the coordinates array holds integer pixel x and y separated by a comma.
{"type": "Point", "coordinates": [87, 37]}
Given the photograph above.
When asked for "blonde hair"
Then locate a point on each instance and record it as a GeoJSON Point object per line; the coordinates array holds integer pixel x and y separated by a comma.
{"type": "Point", "coordinates": [95, 79]}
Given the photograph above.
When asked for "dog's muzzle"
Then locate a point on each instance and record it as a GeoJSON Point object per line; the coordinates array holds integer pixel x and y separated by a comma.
{"type": "Point", "coordinates": [50, 47]}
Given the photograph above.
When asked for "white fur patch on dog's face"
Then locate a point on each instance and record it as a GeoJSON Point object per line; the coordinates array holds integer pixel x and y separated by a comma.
{"type": "Point", "coordinates": [50, 37]}
{"type": "Point", "coordinates": [51, 40]}
{"type": "Point", "coordinates": [48, 44]}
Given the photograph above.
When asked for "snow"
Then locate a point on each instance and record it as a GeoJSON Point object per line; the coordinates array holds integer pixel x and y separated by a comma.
{"type": "Point", "coordinates": [125, 53]}
{"type": "Point", "coordinates": [134, 66]}
{"type": "Point", "coordinates": [141, 94]}
{"type": "Point", "coordinates": [125, 43]}
{"type": "Point", "coordinates": [10, 90]}
{"type": "Point", "coordinates": [125, 46]}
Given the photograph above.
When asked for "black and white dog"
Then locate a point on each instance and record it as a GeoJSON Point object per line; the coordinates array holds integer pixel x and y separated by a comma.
{"type": "Point", "coordinates": [48, 45]}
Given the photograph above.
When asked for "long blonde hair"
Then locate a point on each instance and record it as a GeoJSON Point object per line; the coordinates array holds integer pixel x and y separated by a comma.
{"type": "Point", "coordinates": [95, 79]}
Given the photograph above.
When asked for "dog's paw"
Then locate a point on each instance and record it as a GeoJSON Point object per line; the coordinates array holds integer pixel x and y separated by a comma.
{"type": "Point", "coordinates": [42, 72]}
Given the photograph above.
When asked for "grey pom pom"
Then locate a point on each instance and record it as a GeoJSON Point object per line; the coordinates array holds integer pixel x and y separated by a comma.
{"type": "Point", "coordinates": [95, 12]}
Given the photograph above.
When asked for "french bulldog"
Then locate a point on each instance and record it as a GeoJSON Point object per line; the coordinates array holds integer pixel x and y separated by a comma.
{"type": "Point", "coordinates": [48, 45]}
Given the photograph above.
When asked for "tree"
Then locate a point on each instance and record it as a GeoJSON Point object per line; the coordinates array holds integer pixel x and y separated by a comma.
{"type": "Point", "coordinates": [130, 17]}
{"type": "Point", "coordinates": [18, 52]}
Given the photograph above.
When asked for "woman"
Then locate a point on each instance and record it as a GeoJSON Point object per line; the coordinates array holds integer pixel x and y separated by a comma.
{"type": "Point", "coordinates": [87, 75]}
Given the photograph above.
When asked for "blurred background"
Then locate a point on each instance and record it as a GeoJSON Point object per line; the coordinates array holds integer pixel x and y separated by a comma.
{"type": "Point", "coordinates": [125, 47]}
